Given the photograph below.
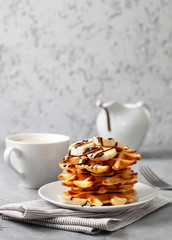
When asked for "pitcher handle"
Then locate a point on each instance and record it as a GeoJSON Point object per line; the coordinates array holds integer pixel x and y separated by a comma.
{"type": "Point", "coordinates": [7, 159]}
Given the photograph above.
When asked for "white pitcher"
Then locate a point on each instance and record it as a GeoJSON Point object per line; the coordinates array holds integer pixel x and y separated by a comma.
{"type": "Point", "coordinates": [126, 122]}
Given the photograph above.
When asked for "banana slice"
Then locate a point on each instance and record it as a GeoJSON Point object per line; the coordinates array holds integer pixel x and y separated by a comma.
{"type": "Point", "coordinates": [91, 200]}
{"type": "Point", "coordinates": [108, 142]}
{"type": "Point", "coordinates": [118, 201]}
{"type": "Point", "coordinates": [103, 155]}
{"type": "Point", "coordinates": [74, 201]}
{"type": "Point", "coordinates": [79, 148]}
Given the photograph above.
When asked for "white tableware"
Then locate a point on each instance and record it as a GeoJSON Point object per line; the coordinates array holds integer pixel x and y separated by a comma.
{"type": "Point", "coordinates": [127, 122]}
{"type": "Point", "coordinates": [50, 191]}
{"type": "Point", "coordinates": [34, 157]}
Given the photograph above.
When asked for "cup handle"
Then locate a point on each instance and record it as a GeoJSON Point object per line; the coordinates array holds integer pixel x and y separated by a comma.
{"type": "Point", "coordinates": [7, 159]}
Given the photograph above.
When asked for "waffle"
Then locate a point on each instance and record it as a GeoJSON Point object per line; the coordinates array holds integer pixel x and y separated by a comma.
{"type": "Point", "coordinates": [98, 173]}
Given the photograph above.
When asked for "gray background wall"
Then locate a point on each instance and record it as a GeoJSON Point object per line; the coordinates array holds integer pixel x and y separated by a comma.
{"type": "Point", "coordinates": [57, 57]}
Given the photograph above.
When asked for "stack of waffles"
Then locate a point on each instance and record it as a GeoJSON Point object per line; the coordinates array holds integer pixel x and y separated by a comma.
{"type": "Point", "coordinates": [98, 173]}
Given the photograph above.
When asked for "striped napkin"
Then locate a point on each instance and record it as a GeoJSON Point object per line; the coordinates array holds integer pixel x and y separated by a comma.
{"type": "Point", "coordinates": [45, 214]}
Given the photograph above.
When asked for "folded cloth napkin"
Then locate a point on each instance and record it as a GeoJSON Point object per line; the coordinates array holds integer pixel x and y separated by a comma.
{"type": "Point", "coordinates": [45, 214]}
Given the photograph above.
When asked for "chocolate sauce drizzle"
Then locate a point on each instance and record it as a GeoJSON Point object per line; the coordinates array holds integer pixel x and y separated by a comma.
{"type": "Point", "coordinates": [107, 114]}
{"type": "Point", "coordinates": [78, 144]}
{"type": "Point", "coordinates": [86, 204]}
{"type": "Point", "coordinates": [83, 161]}
{"type": "Point", "coordinates": [92, 150]}
{"type": "Point", "coordinates": [100, 154]}
{"type": "Point", "coordinates": [100, 140]}
{"type": "Point", "coordinates": [95, 165]}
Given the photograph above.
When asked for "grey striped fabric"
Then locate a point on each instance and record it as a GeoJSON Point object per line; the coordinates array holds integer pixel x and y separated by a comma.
{"type": "Point", "coordinates": [45, 214]}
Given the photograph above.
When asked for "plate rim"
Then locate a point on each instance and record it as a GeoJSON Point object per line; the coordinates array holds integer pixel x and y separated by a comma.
{"type": "Point", "coordinates": [98, 208]}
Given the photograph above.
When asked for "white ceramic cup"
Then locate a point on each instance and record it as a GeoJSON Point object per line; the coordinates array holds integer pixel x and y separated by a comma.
{"type": "Point", "coordinates": [34, 157]}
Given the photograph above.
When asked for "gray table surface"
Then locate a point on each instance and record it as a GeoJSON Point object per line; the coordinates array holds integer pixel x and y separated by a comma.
{"type": "Point", "coordinates": [157, 225]}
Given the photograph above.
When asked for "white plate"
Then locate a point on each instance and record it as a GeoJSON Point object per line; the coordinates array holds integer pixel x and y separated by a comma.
{"type": "Point", "coordinates": [50, 191]}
